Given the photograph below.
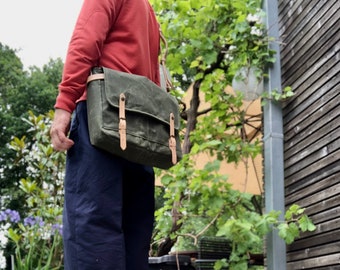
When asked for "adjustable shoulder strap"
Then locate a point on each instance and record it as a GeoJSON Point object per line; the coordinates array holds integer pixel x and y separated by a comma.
{"type": "Point", "coordinates": [164, 71]}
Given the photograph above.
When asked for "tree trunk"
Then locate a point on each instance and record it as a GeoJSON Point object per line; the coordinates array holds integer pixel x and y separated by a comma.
{"type": "Point", "coordinates": [191, 116]}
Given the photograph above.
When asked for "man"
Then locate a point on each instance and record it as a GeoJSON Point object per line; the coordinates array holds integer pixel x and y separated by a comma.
{"type": "Point", "coordinates": [109, 202]}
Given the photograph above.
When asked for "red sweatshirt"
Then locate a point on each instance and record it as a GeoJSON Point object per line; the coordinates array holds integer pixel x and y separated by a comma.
{"type": "Point", "coordinates": [118, 34]}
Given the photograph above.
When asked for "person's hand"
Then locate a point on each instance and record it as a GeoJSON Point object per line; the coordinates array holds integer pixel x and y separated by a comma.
{"type": "Point", "coordinates": [59, 130]}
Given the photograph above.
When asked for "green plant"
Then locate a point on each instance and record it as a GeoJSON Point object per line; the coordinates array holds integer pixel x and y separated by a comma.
{"type": "Point", "coordinates": [37, 241]}
{"type": "Point", "coordinates": [278, 96]}
{"type": "Point", "coordinates": [207, 205]}
{"type": "Point", "coordinates": [209, 41]}
{"type": "Point", "coordinates": [249, 230]}
{"type": "Point", "coordinates": [37, 238]}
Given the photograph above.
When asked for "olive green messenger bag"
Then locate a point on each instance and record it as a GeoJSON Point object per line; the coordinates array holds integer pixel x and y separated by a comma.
{"type": "Point", "coordinates": [132, 117]}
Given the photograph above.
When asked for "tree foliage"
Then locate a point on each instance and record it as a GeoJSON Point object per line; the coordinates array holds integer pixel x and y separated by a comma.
{"type": "Point", "coordinates": [20, 91]}
{"type": "Point", "coordinates": [35, 240]}
{"type": "Point", "coordinates": [209, 41]}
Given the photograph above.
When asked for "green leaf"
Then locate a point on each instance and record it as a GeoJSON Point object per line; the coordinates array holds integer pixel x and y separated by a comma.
{"type": "Point", "coordinates": [306, 224]}
{"type": "Point", "coordinates": [194, 64]}
{"type": "Point", "coordinates": [283, 228]}
{"type": "Point", "coordinates": [14, 236]}
{"type": "Point", "coordinates": [220, 263]}
{"type": "Point", "coordinates": [166, 179]}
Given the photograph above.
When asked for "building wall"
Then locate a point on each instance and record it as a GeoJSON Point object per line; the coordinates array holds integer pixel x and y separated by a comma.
{"type": "Point", "coordinates": [245, 177]}
{"type": "Point", "coordinates": [310, 58]}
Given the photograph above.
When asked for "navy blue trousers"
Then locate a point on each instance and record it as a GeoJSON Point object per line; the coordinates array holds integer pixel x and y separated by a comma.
{"type": "Point", "coordinates": [109, 206]}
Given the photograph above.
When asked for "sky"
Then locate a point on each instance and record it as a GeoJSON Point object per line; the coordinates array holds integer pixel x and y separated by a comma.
{"type": "Point", "coordinates": [38, 29]}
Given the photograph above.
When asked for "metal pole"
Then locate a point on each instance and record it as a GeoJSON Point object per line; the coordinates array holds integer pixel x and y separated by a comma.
{"type": "Point", "coordinates": [273, 145]}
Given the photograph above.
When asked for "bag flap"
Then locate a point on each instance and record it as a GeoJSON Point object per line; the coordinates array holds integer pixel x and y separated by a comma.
{"type": "Point", "coordinates": [150, 99]}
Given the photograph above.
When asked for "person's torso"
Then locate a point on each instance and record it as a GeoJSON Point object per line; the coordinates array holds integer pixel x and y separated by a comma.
{"type": "Point", "coordinates": [118, 34]}
{"type": "Point", "coordinates": [133, 45]}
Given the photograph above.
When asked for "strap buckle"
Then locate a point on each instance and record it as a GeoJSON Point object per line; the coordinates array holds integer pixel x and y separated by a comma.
{"type": "Point", "coordinates": [172, 139]}
{"type": "Point", "coordinates": [122, 122]}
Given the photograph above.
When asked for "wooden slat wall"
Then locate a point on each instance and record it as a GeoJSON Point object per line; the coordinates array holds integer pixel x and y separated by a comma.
{"type": "Point", "coordinates": [310, 59]}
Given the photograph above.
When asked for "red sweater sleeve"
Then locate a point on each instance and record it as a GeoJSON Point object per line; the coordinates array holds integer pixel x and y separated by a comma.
{"type": "Point", "coordinates": [102, 36]}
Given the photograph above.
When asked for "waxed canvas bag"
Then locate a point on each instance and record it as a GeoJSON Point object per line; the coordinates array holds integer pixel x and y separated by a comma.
{"type": "Point", "coordinates": [132, 117]}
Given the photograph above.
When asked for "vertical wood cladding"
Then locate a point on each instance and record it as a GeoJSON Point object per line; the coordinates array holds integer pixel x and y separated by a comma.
{"type": "Point", "coordinates": [310, 59]}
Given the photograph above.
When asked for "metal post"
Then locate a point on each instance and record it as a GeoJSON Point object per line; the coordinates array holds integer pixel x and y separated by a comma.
{"type": "Point", "coordinates": [273, 145]}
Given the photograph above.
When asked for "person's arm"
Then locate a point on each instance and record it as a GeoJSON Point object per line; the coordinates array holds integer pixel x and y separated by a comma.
{"type": "Point", "coordinates": [95, 20]}
{"type": "Point", "coordinates": [93, 23]}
